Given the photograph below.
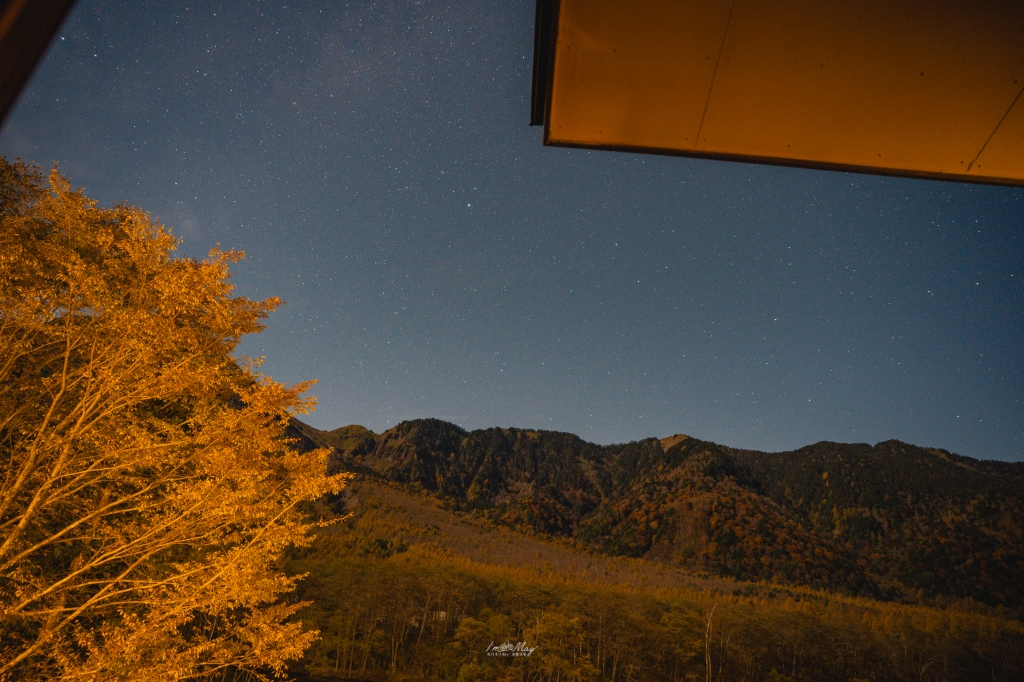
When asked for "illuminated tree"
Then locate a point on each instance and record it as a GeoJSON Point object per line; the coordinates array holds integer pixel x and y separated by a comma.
{"type": "Point", "coordinates": [146, 492]}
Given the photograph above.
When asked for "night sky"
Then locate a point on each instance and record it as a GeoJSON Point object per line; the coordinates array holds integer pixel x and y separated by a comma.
{"type": "Point", "coordinates": [375, 163]}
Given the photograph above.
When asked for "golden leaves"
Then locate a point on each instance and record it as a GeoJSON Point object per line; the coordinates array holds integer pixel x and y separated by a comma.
{"type": "Point", "coordinates": [146, 490]}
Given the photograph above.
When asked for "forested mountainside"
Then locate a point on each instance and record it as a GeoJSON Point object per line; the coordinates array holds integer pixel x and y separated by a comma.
{"type": "Point", "coordinates": [891, 520]}
{"type": "Point", "coordinates": [405, 590]}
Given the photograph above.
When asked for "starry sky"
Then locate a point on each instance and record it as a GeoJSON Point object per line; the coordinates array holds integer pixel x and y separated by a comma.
{"type": "Point", "coordinates": [374, 161]}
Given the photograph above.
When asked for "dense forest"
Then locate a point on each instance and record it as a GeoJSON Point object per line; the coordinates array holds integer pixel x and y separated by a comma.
{"type": "Point", "coordinates": [890, 521]}
{"type": "Point", "coordinates": [670, 559]}
{"type": "Point", "coordinates": [393, 601]}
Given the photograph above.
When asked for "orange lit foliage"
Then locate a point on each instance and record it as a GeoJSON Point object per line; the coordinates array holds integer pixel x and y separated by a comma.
{"type": "Point", "coordinates": [146, 494]}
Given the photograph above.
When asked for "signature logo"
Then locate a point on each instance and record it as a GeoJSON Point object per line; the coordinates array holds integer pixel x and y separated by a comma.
{"type": "Point", "coordinates": [508, 649]}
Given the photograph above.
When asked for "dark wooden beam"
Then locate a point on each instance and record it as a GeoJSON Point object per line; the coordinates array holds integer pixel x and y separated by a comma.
{"type": "Point", "coordinates": [26, 29]}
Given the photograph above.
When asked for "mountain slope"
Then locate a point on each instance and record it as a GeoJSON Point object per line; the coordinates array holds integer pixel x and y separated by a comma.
{"type": "Point", "coordinates": [924, 518]}
{"type": "Point", "coordinates": [888, 520]}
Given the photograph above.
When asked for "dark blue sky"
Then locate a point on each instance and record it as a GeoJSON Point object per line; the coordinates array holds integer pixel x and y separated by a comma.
{"type": "Point", "coordinates": [374, 162]}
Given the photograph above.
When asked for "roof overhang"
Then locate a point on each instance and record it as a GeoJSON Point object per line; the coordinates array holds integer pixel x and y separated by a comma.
{"type": "Point", "coordinates": [928, 89]}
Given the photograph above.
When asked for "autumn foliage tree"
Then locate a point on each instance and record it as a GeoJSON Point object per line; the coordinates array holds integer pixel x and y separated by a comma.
{"type": "Point", "coordinates": [146, 493]}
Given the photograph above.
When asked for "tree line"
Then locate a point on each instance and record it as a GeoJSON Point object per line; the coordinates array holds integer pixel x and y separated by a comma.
{"type": "Point", "coordinates": [387, 611]}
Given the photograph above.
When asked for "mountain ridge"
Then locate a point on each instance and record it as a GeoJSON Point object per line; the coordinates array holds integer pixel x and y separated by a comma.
{"type": "Point", "coordinates": [889, 520]}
